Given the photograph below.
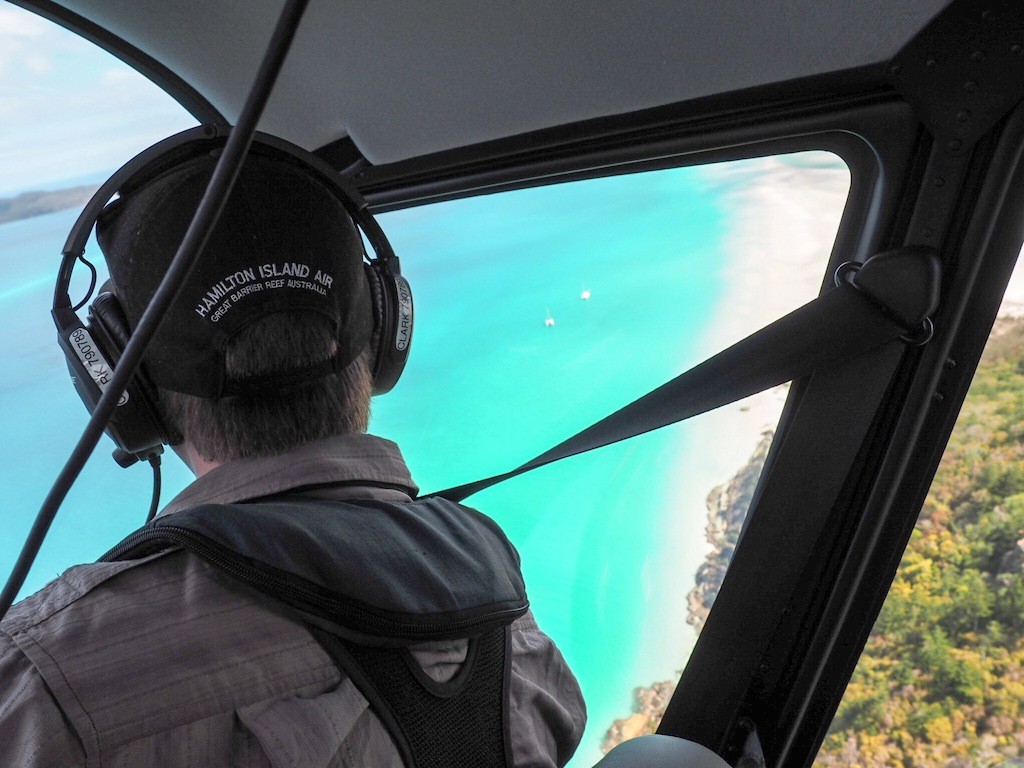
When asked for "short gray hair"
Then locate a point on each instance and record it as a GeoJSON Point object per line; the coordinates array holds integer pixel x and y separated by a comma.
{"type": "Point", "coordinates": [247, 426]}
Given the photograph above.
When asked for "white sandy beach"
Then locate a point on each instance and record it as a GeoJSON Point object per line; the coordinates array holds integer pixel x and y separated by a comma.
{"type": "Point", "coordinates": [781, 223]}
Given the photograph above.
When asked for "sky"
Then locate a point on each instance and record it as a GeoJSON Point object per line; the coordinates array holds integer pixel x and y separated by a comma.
{"type": "Point", "coordinates": [70, 112]}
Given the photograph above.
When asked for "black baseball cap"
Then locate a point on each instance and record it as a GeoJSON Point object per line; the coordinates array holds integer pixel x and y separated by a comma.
{"type": "Point", "coordinates": [284, 242]}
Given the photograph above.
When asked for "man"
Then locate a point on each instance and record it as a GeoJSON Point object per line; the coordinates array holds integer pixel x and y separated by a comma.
{"type": "Point", "coordinates": [311, 613]}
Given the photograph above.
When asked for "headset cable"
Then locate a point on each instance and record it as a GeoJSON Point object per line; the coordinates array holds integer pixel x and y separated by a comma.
{"type": "Point", "coordinates": [228, 167]}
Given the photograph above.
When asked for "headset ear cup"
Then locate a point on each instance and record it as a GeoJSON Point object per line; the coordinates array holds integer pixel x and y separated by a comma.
{"type": "Point", "coordinates": [106, 313]}
{"type": "Point", "coordinates": [393, 315]}
{"type": "Point", "coordinates": [136, 426]}
{"type": "Point", "coordinates": [377, 301]}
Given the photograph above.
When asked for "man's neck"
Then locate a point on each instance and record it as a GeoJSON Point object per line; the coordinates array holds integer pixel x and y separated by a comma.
{"type": "Point", "coordinates": [199, 465]}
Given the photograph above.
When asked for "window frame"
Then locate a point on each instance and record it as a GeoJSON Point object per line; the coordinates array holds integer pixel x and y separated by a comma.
{"type": "Point", "coordinates": [782, 668]}
{"type": "Point", "coordinates": [883, 146]}
{"type": "Point", "coordinates": [780, 663]}
{"type": "Point", "coordinates": [983, 246]}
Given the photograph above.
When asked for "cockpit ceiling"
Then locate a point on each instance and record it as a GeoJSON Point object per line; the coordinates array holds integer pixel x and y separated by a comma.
{"type": "Point", "coordinates": [410, 78]}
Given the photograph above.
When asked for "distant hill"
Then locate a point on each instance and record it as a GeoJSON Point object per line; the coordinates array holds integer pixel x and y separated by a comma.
{"type": "Point", "coordinates": [29, 204]}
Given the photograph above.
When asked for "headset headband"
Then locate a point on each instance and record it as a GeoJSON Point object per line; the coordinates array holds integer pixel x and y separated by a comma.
{"type": "Point", "coordinates": [181, 146]}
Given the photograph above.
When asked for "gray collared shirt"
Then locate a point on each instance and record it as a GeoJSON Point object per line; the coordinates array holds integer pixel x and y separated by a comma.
{"type": "Point", "coordinates": [165, 661]}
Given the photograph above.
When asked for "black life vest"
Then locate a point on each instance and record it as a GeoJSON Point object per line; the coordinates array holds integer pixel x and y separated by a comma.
{"type": "Point", "coordinates": [371, 579]}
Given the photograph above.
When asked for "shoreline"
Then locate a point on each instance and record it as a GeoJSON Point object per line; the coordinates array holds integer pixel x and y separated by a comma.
{"type": "Point", "coordinates": [782, 226]}
{"type": "Point", "coordinates": [29, 205]}
{"type": "Point", "coordinates": [781, 219]}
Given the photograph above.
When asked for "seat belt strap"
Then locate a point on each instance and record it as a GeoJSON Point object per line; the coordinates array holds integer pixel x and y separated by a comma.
{"type": "Point", "coordinates": [883, 299]}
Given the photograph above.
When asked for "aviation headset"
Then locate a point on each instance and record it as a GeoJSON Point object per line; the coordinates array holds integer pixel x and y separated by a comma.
{"type": "Point", "coordinates": [94, 347]}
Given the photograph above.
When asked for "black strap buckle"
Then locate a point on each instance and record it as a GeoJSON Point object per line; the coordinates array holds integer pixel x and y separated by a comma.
{"type": "Point", "coordinates": [887, 281]}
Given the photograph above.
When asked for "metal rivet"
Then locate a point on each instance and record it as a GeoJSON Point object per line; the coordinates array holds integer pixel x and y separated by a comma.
{"type": "Point", "coordinates": [978, 56]}
{"type": "Point", "coordinates": [963, 116]}
{"type": "Point", "coordinates": [926, 232]}
{"type": "Point", "coordinates": [954, 145]}
{"type": "Point", "coordinates": [950, 363]}
{"type": "Point", "coordinates": [1016, 48]}
{"type": "Point", "coordinates": [894, 69]}
{"type": "Point", "coordinates": [930, 63]}
{"type": "Point", "coordinates": [938, 397]}
{"type": "Point", "coordinates": [987, 15]}
{"type": "Point", "coordinates": [939, 181]}
{"type": "Point", "coordinates": [970, 86]}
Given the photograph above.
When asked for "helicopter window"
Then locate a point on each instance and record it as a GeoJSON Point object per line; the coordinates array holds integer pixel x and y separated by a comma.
{"type": "Point", "coordinates": [540, 311]}
{"type": "Point", "coordinates": [72, 113]}
{"type": "Point", "coordinates": [534, 319]}
{"type": "Point", "coordinates": [941, 679]}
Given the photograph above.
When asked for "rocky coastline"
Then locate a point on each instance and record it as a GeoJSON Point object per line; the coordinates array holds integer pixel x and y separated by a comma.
{"type": "Point", "coordinates": [727, 506]}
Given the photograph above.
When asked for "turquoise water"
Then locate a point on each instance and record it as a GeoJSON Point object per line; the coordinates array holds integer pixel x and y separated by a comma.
{"type": "Point", "coordinates": [489, 386]}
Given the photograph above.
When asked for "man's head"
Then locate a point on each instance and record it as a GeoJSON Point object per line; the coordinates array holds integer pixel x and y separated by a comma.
{"type": "Point", "coordinates": [242, 426]}
{"type": "Point", "coordinates": [266, 348]}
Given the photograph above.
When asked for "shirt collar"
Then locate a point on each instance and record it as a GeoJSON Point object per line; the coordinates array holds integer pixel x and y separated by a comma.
{"type": "Point", "coordinates": [342, 460]}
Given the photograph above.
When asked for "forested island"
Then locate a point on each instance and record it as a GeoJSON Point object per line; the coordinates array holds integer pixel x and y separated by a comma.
{"type": "Point", "coordinates": [941, 681]}
{"type": "Point", "coordinates": [29, 204]}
